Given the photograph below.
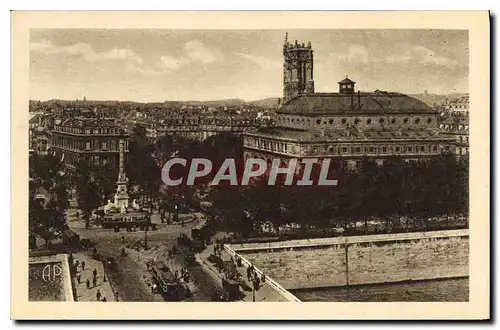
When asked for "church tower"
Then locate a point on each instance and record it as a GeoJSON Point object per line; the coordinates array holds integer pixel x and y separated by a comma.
{"type": "Point", "coordinates": [297, 69]}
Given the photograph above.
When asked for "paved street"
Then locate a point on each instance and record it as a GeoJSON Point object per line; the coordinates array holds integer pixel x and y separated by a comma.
{"type": "Point", "coordinates": [132, 279]}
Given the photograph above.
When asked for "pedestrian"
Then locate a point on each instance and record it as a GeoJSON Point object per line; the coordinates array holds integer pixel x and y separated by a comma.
{"type": "Point", "coordinates": [94, 281]}
{"type": "Point", "coordinates": [123, 239]}
{"type": "Point", "coordinates": [83, 265]}
{"type": "Point", "coordinates": [78, 278]}
{"type": "Point", "coordinates": [76, 265]}
{"type": "Point", "coordinates": [116, 295]}
{"type": "Point", "coordinates": [263, 278]}
{"type": "Point", "coordinates": [98, 295]}
{"type": "Point", "coordinates": [94, 273]}
{"type": "Point", "coordinates": [104, 299]}
{"type": "Point", "coordinates": [88, 284]}
{"type": "Point", "coordinates": [94, 252]}
{"type": "Point", "coordinates": [153, 288]}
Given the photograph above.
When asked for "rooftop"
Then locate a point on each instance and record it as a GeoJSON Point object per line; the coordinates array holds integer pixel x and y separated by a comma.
{"type": "Point", "coordinates": [88, 122]}
{"type": "Point", "coordinates": [346, 81]}
{"type": "Point", "coordinates": [361, 102]}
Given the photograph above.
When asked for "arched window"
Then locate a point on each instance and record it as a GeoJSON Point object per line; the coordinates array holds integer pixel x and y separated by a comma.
{"type": "Point", "coordinates": [381, 120]}
{"type": "Point", "coordinates": [344, 121]}
{"type": "Point", "coordinates": [368, 121]}
{"type": "Point", "coordinates": [330, 121]}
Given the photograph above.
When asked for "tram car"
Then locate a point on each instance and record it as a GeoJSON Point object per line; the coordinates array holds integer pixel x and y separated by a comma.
{"type": "Point", "coordinates": [171, 288]}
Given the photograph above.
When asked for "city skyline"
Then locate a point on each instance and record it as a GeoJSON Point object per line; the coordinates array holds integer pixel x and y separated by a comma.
{"type": "Point", "coordinates": [190, 65]}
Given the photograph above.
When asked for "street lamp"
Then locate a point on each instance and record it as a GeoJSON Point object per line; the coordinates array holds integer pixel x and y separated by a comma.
{"type": "Point", "coordinates": [146, 237]}
{"type": "Point", "coordinates": [105, 268]}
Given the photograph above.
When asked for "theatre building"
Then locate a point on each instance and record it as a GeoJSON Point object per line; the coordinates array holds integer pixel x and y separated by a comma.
{"type": "Point", "coordinates": [94, 139]}
{"type": "Point", "coordinates": [347, 125]}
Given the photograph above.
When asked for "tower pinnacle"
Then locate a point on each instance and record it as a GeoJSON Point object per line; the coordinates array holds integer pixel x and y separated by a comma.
{"type": "Point", "coordinates": [297, 69]}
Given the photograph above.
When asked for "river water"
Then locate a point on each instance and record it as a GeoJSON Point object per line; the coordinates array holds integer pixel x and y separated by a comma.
{"type": "Point", "coordinates": [432, 290]}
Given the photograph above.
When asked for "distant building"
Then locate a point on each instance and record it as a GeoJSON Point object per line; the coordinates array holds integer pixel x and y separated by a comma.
{"type": "Point", "coordinates": [201, 127]}
{"type": "Point", "coordinates": [460, 105]}
{"type": "Point", "coordinates": [457, 127]}
{"type": "Point", "coordinates": [346, 125]}
{"type": "Point", "coordinates": [93, 139]}
{"type": "Point", "coordinates": [39, 134]}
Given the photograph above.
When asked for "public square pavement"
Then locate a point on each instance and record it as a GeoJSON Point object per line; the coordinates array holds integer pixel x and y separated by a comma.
{"type": "Point", "coordinates": [89, 294]}
{"type": "Point", "coordinates": [132, 282]}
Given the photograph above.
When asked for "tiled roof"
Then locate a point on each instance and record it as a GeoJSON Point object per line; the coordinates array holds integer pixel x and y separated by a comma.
{"type": "Point", "coordinates": [337, 103]}
{"type": "Point", "coordinates": [88, 122]}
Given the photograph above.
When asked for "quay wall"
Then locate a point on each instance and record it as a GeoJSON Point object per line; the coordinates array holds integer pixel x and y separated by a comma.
{"type": "Point", "coordinates": [372, 259]}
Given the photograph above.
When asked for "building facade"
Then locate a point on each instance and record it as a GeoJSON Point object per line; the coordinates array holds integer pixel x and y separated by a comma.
{"type": "Point", "coordinates": [93, 139]}
{"type": "Point", "coordinates": [347, 125]}
{"type": "Point", "coordinates": [460, 105]}
{"type": "Point", "coordinates": [39, 133]}
{"type": "Point", "coordinates": [457, 128]}
{"type": "Point", "coordinates": [201, 127]}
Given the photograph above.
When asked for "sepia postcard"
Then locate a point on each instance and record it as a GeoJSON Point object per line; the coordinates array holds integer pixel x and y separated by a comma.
{"type": "Point", "coordinates": [250, 165]}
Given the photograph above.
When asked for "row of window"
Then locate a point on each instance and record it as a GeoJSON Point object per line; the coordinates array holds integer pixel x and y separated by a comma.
{"type": "Point", "coordinates": [372, 149]}
{"type": "Point", "coordinates": [78, 130]}
{"type": "Point", "coordinates": [193, 122]}
{"type": "Point", "coordinates": [454, 127]}
{"type": "Point", "coordinates": [269, 145]}
{"type": "Point", "coordinates": [87, 145]}
{"type": "Point", "coordinates": [283, 147]}
{"type": "Point", "coordinates": [356, 121]}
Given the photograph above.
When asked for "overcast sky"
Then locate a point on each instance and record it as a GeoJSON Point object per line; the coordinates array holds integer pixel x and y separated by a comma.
{"type": "Point", "coordinates": [159, 65]}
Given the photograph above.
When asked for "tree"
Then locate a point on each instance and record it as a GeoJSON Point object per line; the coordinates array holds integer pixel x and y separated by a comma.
{"type": "Point", "coordinates": [45, 168]}
{"type": "Point", "coordinates": [54, 223]}
{"type": "Point", "coordinates": [88, 194]}
{"type": "Point", "coordinates": [164, 149]}
{"type": "Point", "coordinates": [46, 216]}
{"type": "Point", "coordinates": [142, 168]}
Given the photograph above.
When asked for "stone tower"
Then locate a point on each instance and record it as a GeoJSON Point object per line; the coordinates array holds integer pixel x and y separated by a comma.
{"type": "Point", "coordinates": [297, 69]}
